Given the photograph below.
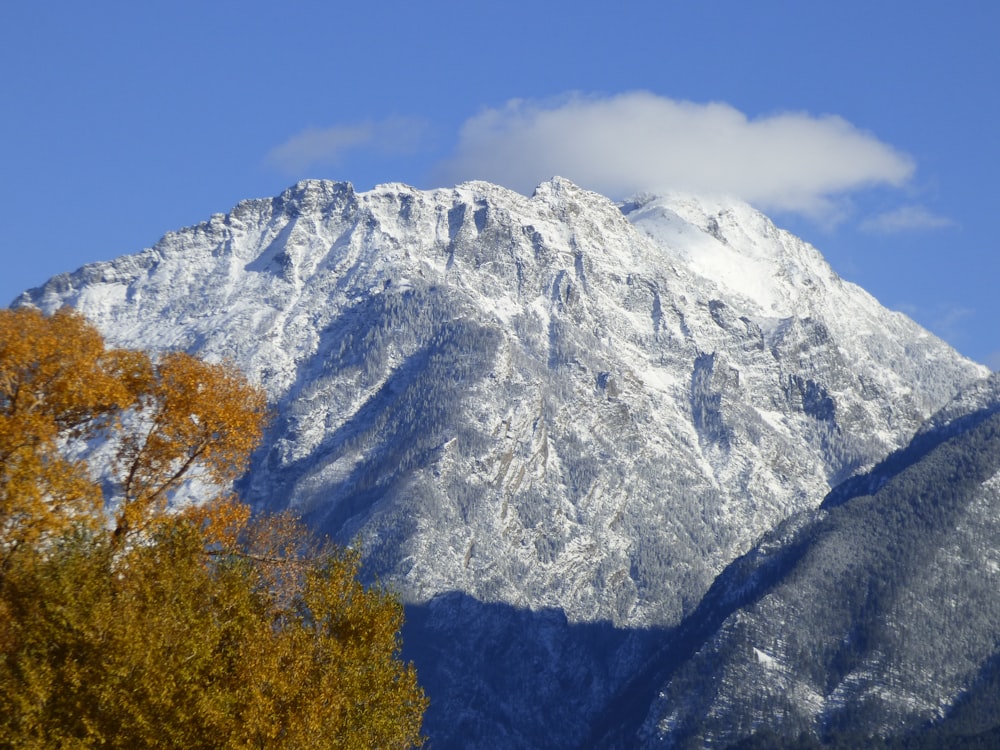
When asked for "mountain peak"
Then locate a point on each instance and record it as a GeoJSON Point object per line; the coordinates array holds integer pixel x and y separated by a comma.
{"type": "Point", "coordinates": [740, 251]}
{"type": "Point", "coordinates": [314, 195]}
{"type": "Point", "coordinates": [558, 185]}
{"type": "Point", "coordinates": [559, 190]}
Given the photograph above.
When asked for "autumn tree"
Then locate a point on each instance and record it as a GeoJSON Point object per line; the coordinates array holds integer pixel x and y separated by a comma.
{"type": "Point", "coordinates": [130, 619]}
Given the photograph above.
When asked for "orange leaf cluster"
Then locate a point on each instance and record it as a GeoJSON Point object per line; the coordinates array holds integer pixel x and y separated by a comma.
{"type": "Point", "coordinates": [126, 623]}
{"type": "Point", "coordinates": [57, 383]}
{"type": "Point", "coordinates": [172, 419]}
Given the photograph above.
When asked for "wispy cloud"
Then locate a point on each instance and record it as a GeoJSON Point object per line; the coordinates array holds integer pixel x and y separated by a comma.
{"type": "Point", "coordinates": [640, 141]}
{"type": "Point", "coordinates": [905, 219]}
{"type": "Point", "coordinates": [329, 146]}
{"type": "Point", "coordinates": [315, 146]}
{"type": "Point", "coordinates": [948, 320]}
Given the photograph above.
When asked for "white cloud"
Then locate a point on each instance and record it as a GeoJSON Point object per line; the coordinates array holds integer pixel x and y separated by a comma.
{"type": "Point", "coordinates": [905, 218]}
{"type": "Point", "coordinates": [328, 146]}
{"type": "Point", "coordinates": [318, 146]}
{"type": "Point", "coordinates": [639, 141]}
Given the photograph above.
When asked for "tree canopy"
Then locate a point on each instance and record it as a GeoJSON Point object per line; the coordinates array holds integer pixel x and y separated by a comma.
{"type": "Point", "coordinates": [128, 619]}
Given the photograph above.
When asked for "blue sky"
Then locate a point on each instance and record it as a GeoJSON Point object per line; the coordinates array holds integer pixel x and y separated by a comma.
{"type": "Point", "coordinates": [868, 128]}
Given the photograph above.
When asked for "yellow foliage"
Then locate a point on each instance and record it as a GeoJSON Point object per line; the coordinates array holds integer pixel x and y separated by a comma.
{"type": "Point", "coordinates": [172, 419]}
{"type": "Point", "coordinates": [193, 418]}
{"type": "Point", "coordinates": [57, 382]}
{"type": "Point", "coordinates": [196, 629]}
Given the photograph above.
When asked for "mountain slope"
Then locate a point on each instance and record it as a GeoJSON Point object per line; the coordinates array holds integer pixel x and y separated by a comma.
{"type": "Point", "coordinates": [877, 614]}
{"type": "Point", "coordinates": [552, 403]}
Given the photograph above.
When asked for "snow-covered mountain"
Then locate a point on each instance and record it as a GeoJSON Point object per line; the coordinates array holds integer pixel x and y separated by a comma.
{"type": "Point", "coordinates": [875, 615]}
{"type": "Point", "coordinates": [555, 412]}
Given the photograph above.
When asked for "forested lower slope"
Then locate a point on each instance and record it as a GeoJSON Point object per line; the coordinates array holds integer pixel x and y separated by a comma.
{"type": "Point", "coordinates": [875, 616]}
